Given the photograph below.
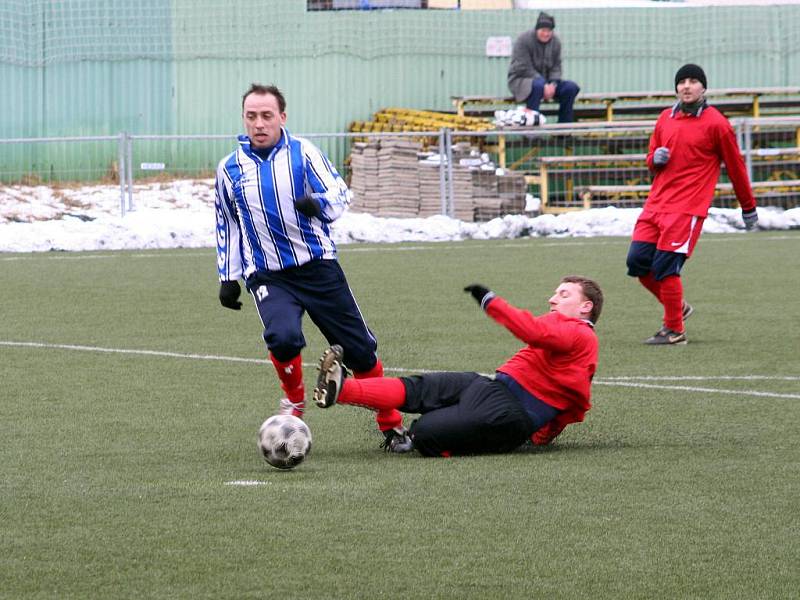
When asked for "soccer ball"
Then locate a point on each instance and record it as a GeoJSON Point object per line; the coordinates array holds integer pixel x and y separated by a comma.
{"type": "Point", "coordinates": [284, 441]}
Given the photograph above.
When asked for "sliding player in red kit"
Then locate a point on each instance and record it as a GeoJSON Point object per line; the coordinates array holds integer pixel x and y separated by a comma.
{"type": "Point", "coordinates": [686, 148]}
{"type": "Point", "coordinates": [541, 389]}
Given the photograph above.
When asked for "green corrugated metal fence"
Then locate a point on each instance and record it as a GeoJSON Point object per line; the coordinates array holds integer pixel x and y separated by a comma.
{"type": "Point", "coordinates": [91, 67]}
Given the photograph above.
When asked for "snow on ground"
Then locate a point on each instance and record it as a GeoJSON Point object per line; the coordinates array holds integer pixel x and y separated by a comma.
{"type": "Point", "coordinates": [180, 214]}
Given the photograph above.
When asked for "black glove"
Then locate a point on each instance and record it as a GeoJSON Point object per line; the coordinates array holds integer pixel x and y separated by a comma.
{"type": "Point", "coordinates": [661, 156]}
{"type": "Point", "coordinates": [308, 206]}
{"type": "Point", "coordinates": [750, 218]}
{"type": "Point", "coordinates": [481, 294]}
{"type": "Point", "coordinates": [229, 292]}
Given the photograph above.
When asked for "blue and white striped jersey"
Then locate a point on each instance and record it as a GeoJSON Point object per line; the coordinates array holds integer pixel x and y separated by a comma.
{"type": "Point", "coordinates": [258, 227]}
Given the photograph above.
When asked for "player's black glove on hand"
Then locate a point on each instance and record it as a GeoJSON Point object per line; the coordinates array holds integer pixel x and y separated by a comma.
{"type": "Point", "coordinates": [661, 156]}
{"type": "Point", "coordinates": [229, 292]}
{"type": "Point", "coordinates": [481, 294]}
{"type": "Point", "coordinates": [750, 218]}
{"type": "Point", "coordinates": [308, 206]}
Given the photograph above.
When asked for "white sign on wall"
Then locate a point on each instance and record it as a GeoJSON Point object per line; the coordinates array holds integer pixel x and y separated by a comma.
{"type": "Point", "coordinates": [498, 46]}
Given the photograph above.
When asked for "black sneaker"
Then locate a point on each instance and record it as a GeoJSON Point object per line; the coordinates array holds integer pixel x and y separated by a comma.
{"type": "Point", "coordinates": [666, 337]}
{"type": "Point", "coordinates": [331, 375]}
{"type": "Point", "coordinates": [397, 441]}
{"type": "Point", "coordinates": [687, 310]}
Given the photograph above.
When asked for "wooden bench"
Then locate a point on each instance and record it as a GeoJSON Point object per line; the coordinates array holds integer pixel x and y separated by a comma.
{"type": "Point", "coordinates": [505, 139]}
{"type": "Point", "coordinates": [632, 167]}
{"type": "Point", "coordinates": [639, 192]}
{"type": "Point", "coordinates": [574, 164]}
{"type": "Point", "coordinates": [605, 105]}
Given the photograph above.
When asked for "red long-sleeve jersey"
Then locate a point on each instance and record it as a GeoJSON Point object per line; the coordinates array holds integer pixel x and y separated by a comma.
{"type": "Point", "coordinates": [556, 365]}
{"type": "Point", "coordinates": [696, 145]}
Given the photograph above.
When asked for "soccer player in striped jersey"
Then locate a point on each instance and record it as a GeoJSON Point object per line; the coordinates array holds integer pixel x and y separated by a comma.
{"type": "Point", "coordinates": [276, 196]}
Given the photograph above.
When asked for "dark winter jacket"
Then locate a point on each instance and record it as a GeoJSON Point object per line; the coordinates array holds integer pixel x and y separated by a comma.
{"type": "Point", "coordinates": [530, 59]}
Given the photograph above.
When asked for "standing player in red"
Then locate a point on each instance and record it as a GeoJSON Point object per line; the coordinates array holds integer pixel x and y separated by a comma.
{"type": "Point", "coordinates": [541, 389]}
{"type": "Point", "coordinates": [686, 148]}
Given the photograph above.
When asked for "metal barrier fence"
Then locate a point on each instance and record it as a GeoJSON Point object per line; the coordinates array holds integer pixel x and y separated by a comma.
{"type": "Point", "coordinates": [463, 174]}
{"type": "Point", "coordinates": [56, 160]}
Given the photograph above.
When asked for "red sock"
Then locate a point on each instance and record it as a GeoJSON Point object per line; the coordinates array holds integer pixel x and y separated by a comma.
{"type": "Point", "coordinates": [291, 375]}
{"type": "Point", "coordinates": [377, 393]}
{"type": "Point", "coordinates": [376, 371]}
{"type": "Point", "coordinates": [672, 299]}
{"type": "Point", "coordinates": [385, 418]}
{"type": "Point", "coordinates": [652, 285]}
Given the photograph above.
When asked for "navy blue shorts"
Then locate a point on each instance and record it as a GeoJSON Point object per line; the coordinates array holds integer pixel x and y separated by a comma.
{"type": "Point", "coordinates": [320, 289]}
{"type": "Point", "coordinates": [644, 258]}
{"type": "Point", "coordinates": [464, 413]}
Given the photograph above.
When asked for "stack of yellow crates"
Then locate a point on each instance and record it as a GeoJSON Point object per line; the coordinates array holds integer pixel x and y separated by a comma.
{"type": "Point", "coordinates": [407, 119]}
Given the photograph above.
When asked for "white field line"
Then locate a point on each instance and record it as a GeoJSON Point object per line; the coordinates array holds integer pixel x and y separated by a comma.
{"type": "Point", "coordinates": [246, 482]}
{"type": "Point", "coordinates": [621, 381]}
{"type": "Point", "coordinates": [132, 351]}
{"type": "Point", "coordinates": [703, 378]}
{"type": "Point", "coordinates": [80, 255]}
{"type": "Point", "coordinates": [383, 247]}
{"type": "Point", "coordinates": [686, 388]}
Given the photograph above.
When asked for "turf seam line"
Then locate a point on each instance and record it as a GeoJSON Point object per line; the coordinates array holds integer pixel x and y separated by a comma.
{"type": "Point", "coordinates": [621, 381]}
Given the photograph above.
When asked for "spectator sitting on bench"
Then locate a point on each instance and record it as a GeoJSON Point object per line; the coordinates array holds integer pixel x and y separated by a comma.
{"type": "Point", "coordinates": [535, 71]}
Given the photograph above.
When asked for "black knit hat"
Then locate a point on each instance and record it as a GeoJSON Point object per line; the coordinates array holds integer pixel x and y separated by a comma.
{"type": "Point", "coordinates": [692, 71]}
{"type": "Point", "coordinates": [545, 20]}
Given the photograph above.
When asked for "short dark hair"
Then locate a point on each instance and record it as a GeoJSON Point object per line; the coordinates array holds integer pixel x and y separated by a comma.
{"type": "Point", "coordinates": [592, 292]}
{"type": "Point", "coordinates": [257, 88]}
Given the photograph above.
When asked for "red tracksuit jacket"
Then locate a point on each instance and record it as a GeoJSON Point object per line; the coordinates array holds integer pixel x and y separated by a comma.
{"type": "Point", "coordinates": [556, 366]}
{"type": "Point", "coordinates": [696, 145]}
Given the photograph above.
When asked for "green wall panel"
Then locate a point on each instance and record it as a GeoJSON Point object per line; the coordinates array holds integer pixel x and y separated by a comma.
{"type": "Point", "coordinates": [92, 67]}
{"type": "Point", "coordinates": [341, 66]}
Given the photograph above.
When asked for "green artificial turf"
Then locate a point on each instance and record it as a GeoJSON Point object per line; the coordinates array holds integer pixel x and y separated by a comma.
{"type": "Point", "coordinates": [125, 422]}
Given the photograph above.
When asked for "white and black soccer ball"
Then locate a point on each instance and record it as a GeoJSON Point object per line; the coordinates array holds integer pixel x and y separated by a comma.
{"type": "Point", "coordinates": [284, 441]}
